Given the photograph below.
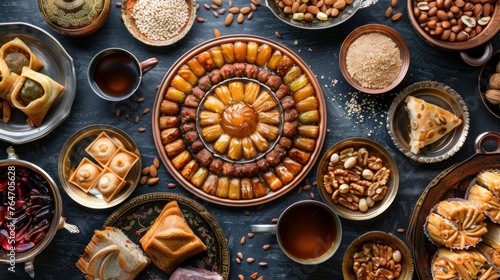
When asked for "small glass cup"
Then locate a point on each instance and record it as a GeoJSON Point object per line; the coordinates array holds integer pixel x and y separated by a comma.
{"type": "Point", "coordinates": [115, 74]}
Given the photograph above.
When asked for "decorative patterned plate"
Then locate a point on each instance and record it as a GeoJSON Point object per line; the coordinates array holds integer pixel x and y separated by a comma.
{"type": "Point", "coordinates": [452, 182]}
{"type": "Point", "coordinates": [57, 64]}
{"type": "Point", "coordinates": [439, 94]}
{"type": "Point", "coordinates": [72, 154]}
{"type": "Point", "coordinates": [136, 216]}
{"type": "Point", "coordinates": [239, 120]}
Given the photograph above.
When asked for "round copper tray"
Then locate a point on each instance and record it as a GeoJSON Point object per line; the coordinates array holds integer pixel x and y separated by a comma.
{"type": "Point", "coordinates": [215, 56]}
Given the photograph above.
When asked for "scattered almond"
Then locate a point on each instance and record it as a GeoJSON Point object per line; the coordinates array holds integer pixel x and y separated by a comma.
{"type": "Point", "coordinates": [171, 185]}
{"type": "Point", "coordinates": [213, 6]}
{"type": "Point", "coordinates": [306, 187]}
{"type": "Point", "coordinates": [238, 260]}
{"type": "Point", "coordinates": [139, 100]}
{"type": "Point", "coordinates": [152, 181]}
{"type": "Point", "coordinates": [127, 116]}
{"type": "Point", "coordinates": [250, 234]}
{"type": "Point", "coordinates": [315, 183]}
{"type": "Point", "coordinates": [217, 2]}
{"type": "Point", "coordinates": [255, 2]}
{"type": "Point", "coordinates": [266, 247]}
{"type": "Point", "coordinates": [278, 34]}
{"type": "Point", "coordinates": [262, 264]}
{"type": "Point", "coordinates": [250, 16]}
{"type": "Point", "coordinates": [240, 255]}
{"type": "Point", "coordinates": [274, 220]}
{"type": "Point", "coordinates": [299, 190]}
{"type": "Point", "coordinates": [222, 11]}
{"type": "Point", "coordinates": [234, 10]}
{"type": "Point", "coordinates": [118, 112]}
{"type": "Point", "coordinates": [230, 3]}
{"type": "Point", "coordinates": [260, 278]}
{"type": "Point", "coordinates": [215, 14]}
{"type": "Point", "coordinates": [145, 111]}
{"type": "Point", "coordinates": [141, 129]}
{"type": "Point", "coordinates": [206, 6]}
{"type": "Point", "coordinates": [143, 180]}
{"type": "Point", "coordinates": [156, 162]}
{"type": "Point", "coordinates": [246, 212]}
{"type": "Point", "coordinates": [312, 195]}
{"type": "Point", "coordinates": [388, 12]}
{"type": "Point", "coordinates": [118, 4]}
{"type": "Point", "coordinates": [216, 33]}
{"type": "Point", "coordinates": [136, 119]}
{"type": "Point", "coordinates": [200, 19]}
{"type": "Point", "coordinates": [245, 10]}
{"type": "Point", "coordinates": [253, 6]}
{"type": "Point", "coordinates": [254, 275]}
{"type": "Point", "coordinates": [397, 17]}
{"type": "Point", "coordinates": [250, 260]}
{"type": "Point", "coordinates": [241, 277]}
{"type": "Point", "coordinates": [401, 230]}
{"type": "Point", "coordinates": [229, 19]}
{"type": "Point", "coordinates": [243, 239]}
{"type": "Point", "coordinates": [394, 3]}
{"type": "Point", "coordinates": [145, 170]}
{"type": "Point", "coordinates": [153, 172]}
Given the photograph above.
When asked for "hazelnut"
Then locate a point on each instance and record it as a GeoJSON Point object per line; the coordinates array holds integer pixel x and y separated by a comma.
{"type": "Point", "coordinates": [493, 96]}
{"type": "Point", "coordinates": [495, 81]}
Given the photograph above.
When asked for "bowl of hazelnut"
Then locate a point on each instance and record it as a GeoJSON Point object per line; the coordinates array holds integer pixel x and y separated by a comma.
{"type": "Point", "coordinates": [455, 25]}
{"type": "Point", "coordinates": [358, 178]}
{"type": "Point", "coordinates": [489, 84]}
{"type": "Point", "coordinates": [397, 264]}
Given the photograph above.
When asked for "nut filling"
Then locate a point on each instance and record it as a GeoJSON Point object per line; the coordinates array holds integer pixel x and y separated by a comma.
{"type": "Point", "coordinates": [356, 180]}
{"type": "Point", "coordinates": [240, 119]}
{"type": "Point", "coordinates": [377, 261]}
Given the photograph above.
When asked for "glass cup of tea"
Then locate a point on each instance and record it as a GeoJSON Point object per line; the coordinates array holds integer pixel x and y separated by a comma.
{"type": "Point", "coordinates": [308, 232]}
{"type": "Point", "coordinates": [115, 74]}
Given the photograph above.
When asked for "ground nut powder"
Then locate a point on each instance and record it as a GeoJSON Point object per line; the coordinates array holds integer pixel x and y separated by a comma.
{"type": "Point", "coordinates": [373, 60]}
{"type": "Point", "coordinates": [160, 19]}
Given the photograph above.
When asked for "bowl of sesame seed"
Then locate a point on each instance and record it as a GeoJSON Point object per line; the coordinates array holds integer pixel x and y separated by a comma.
{"type": "Point", "coordinates": [158, 22]}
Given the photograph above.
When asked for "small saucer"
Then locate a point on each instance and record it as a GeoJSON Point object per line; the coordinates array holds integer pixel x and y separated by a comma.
{"type": "Point", "coordinates": [72, 154]}
{"type": "Point", "coordinates": [438, 94]}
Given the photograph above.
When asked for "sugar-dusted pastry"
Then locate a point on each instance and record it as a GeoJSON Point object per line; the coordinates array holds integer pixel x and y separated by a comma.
{"type": "Point", "coordinates": [18, 55]}
{"type": "Point", "coordinates": [170, 240]}
{"type": "Point", "coordinates": [34, 93]}
{"type": "Point", "coordinates": [102, 148]}
{"type": "Point", "coordinates": [7, 79]}
{"type": "Point", "coordinates": [455, 224]}
{"type": "Point", "coordinates": [485, 200]}
{"type": "Point", "coordinates": [109, 184]}
{"type": "Point", "coordinates": [428, 122]}
{"type": "Point", "coordinates": [85, 174]}
{"type": "Point", "coordinates": [462, 264]}
{"type": "Point", "coordinates": [122, 161]}
{"type": "Point", "coordinates": [112, 255]}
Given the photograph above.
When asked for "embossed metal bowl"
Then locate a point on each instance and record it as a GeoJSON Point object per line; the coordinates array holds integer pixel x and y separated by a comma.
{"type": "Point", "coordinates": [489, 68]}
{"type": "Point", "coordinates": [369, 29]}
{"type": "Point", "coordinates": [374, 149]}
{"type": "Point", "coordinates": [382, 238]}
{"type": "Point", "coordinates": [130, 23]}
{"type": "Point", "coordinates": [398, 124]}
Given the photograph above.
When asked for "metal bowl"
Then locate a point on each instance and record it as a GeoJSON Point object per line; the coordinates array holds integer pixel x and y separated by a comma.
{"type": "Point", "coordinates": [483, 83]}
{"type": "Point", "coordinates": [380, 237]}
{"type": "Point", "coordinates": [398, 124]}
{"type": "Point", "coordinates": [343, 16]}
{"type": "Point", "coordinates": [128, 20]}
{"type": "Point", "coordinates": [384, 30]}
{"type": "Point", "coordinates": [487, 33]}
{"type": "Point", "coordinates": [374, 149]}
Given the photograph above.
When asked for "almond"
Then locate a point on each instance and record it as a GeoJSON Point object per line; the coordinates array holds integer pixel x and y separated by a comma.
{"type": "Point", "coordinates": [153, 172]}
{"type": "Point", "coordinates": [397, 17]}
{"type": "Point", "coordinates": [156, 162]}
{"type": "Point", "coordinates": [245, 10]}
{"type": "Point", "coordinates": [241, 18]}
{"type": "Point", "coordinates": [171, 185]}
{"type": "Point", "coordinates": [146, 111]}
{"type": "Point", "coordinates": [152, 181]}
{"type": "Point", "coordinates": [234, 10]}
{"type": "Point", "coordinates": [388, 12]}
{"type": "Point", "coordinates": [145, 170]}
{"type": "Point", "coordinates": [143, 180]}
{"type": "Point", "coordinates": [141, 129]}
{"type": "Point", "coordinates": [217, 2]}
{"type": "Point", "coordinates": [250, 260]}
{"type": "Point", "coordinates": [394, 3]}
{"type": "Point", "coordinates": [229, 19]}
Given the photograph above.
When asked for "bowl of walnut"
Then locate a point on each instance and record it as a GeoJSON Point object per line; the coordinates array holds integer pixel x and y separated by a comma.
{"type": "Point", "coordinates": [358, 178]}
{"type": "Point", "coordinates": [489, 84]}
{"type": "Point", "coordinates": [377, 253]}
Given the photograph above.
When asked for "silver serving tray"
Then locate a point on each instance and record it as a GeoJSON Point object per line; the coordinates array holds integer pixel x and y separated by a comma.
{"type": "Point", "coordinates": [58, 65]}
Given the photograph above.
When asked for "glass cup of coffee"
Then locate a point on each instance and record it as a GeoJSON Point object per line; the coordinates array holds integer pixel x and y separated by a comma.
{"type": "Point", "coordinates": [308, 232]}
{"type": "Point", "coordinates": [115, 74]}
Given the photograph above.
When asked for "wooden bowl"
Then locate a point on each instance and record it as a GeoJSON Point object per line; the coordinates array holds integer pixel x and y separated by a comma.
{"type": "Point", "coordinates": [382, 238]}
{"type": "Point", "coordinates": [368, 29]}
{"type": "Point", "coordinates": [487, 33]}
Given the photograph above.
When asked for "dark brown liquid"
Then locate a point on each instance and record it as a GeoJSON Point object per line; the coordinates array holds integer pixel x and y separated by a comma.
{"type": "Point", "coordinates": [307, 231]}
{"type": "Point", "coordinates": [116, 74]}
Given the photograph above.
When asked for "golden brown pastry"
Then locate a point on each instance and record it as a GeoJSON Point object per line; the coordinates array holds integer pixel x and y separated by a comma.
{"type": "Point", "coordinates": [428, 122]}
{"type": "Point", "coordinates": [491, 181]}
{"type": "Point", "coordinates": [456, 224]}
{"type": "Point", "coordinates": [486, 201]}
{"type": "Point", "coordinates": [122, 161]}
{"type": "Point", "coordinates": [7, 79]}
{"type": "Point", "coordinates": [18, 55]}
{"type": "Point", "coordinates": [102, 148]}
{"type": "Point", "coordinates": [112, 255]}
{"type": "Point", "coordinates": [85, 174]}
{"type": "Point", "coordinates": [170, 240]}
{"type": "Point", "coordinates": [34, 93]}
{"type": "Point", "coordinates": [109, 184]}
{"type": "Point", "coordinates": [462, 264]}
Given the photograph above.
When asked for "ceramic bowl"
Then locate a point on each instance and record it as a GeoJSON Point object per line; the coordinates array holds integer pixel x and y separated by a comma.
{"type": "Point", "coordinates": [488, 31]}
{"type": "Point", "coordinates": [381, 238]}
{"type": "Point", "coordinates": [483, 83]}
{"type": "Point", "coordinates": [369, 29]}
{"type": "Point", "coordinates": [130, 23]}
{"type": "Point", "coordinates": [374, 149]}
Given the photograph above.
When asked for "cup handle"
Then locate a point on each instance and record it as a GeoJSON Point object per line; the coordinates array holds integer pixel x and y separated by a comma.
{"type": "Point", "coordinates": [263, 229]}
{"type": "Point", "coordinates": [479, 61]}
{"type": "Point", "coordinates": [148, 64]}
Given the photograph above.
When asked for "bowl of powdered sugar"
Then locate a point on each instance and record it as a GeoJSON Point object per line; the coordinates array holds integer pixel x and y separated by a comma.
{"type": "Point", "coordinates": [374, 58]}
{"type": "Point", "coordinates": [158, 22]}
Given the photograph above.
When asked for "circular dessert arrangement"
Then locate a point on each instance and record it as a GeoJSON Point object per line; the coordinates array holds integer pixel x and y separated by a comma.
{"type": "Point", "coordinates": [239, 120]}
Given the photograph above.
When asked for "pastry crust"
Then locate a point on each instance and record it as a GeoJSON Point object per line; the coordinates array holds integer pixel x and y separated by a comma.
{"type": "Point", "coordinates": [38, 108]}
{"type": "Point", "coordinates": [85, 174]}
{"type": "Point", "coordinates": [7, 79]}
{"type": "Point", "coordinates": [122, 161]}
{"type": "Point", "coordinates": [170, 240]}
{"type": "Point", "coordinates": [102, 148]}
{"type": "Point", "coordinates": [462, 264]}
{"type": "Point", "coordinates": [17, 45]}
{"type": "Point", "coordinates": [109, 184]}
{"type": "Point", "coordinates": [428, 122]}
